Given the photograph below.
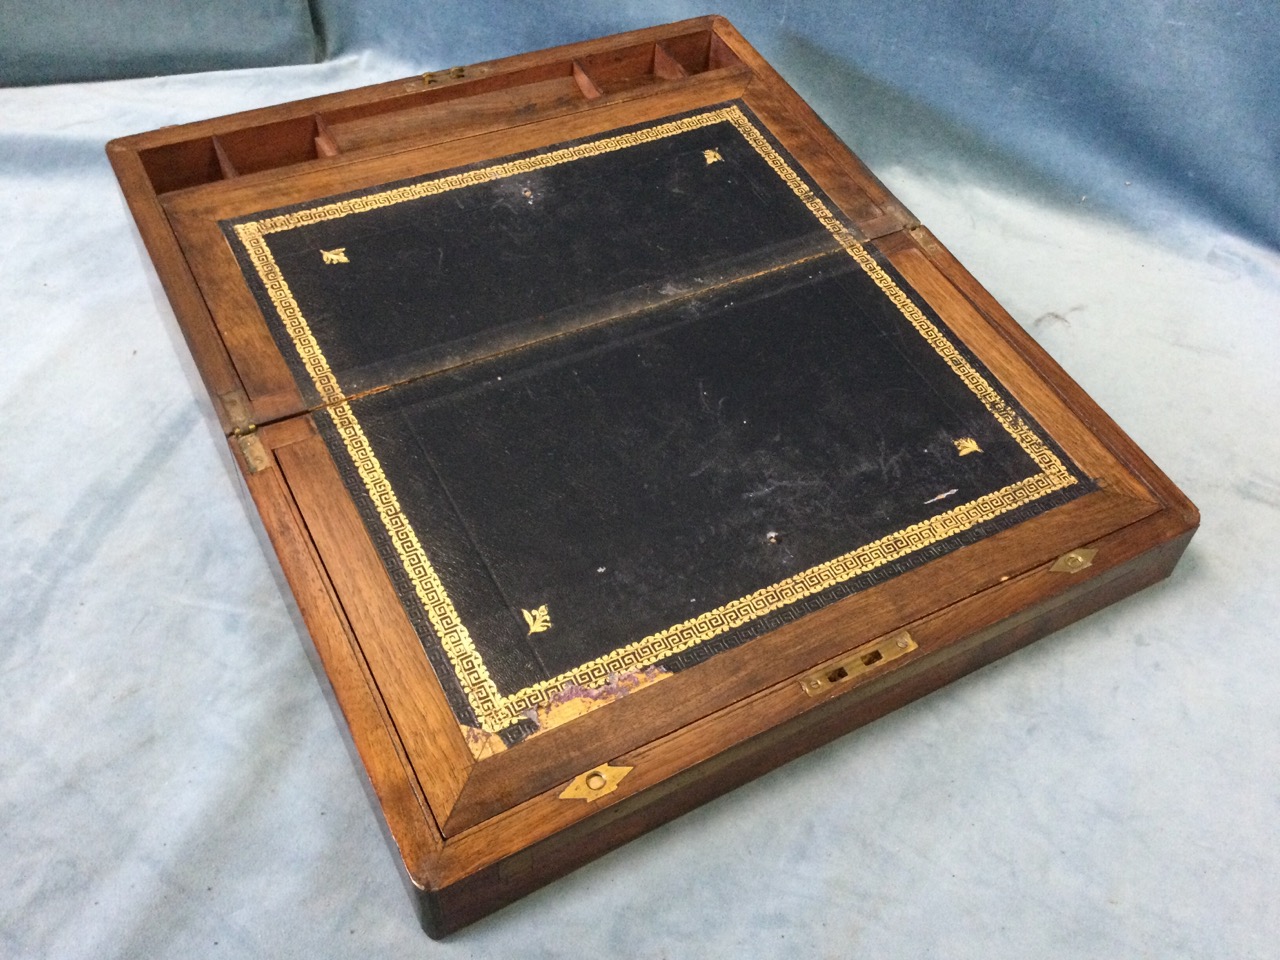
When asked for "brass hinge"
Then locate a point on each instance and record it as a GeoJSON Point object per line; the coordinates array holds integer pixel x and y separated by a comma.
{"type": "Point", "coordinates": [868, 657]}
{"type": "Point", "coordinates": [255, 454]}
{"type": "Point", "coordinates": [435, 76]}
{"type": "Point", "coordinates": [595, 783]}
{"type": "Point", "coordinates": [235, 404]}
{"type": "Point", "coordinates": [1075, 561]}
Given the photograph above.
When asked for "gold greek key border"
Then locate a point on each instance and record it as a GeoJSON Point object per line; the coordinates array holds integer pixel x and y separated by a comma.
{"type": "Point", "coordinates": [1004, 414]}
{"type": "Point", "coordinates": [469, 178]}
{"type": "Point", "coordinates": [295, 324]}
{"type": "Point", "coordinates": [494, 710]}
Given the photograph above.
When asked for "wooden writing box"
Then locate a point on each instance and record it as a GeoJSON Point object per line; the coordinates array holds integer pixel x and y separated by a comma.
{"type": "Point", "coordinates": [620, 436]}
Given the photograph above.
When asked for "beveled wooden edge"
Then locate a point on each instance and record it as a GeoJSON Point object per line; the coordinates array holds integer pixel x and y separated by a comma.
{"type": "Point", "coordinates": [359, 96]}
{"type": "Point", "coordinates": [404, 807]}
{"type": "Point", "coordinates": [1099, 423]}
{"type": "Point", "coordinates": [545, 838]}
{"type": "Point", "coordinates": [837, 175]}
{"type": "Point", "coordinates": [1055, 407]}
{"type": "Point", "coordinates": [770, 95]}
{"type": "Point", "coordinates": [386, 640]}
{"type": "Point", "coordinates": [268, 383]}
{"type": "Point", "coordinates": [212, 359]}
{"type": "Point", "coordinates": [794, 647]}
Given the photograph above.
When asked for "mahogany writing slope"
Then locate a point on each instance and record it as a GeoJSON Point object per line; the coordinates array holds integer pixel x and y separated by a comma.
{"type": "Point", "coordinates": [620, 436]}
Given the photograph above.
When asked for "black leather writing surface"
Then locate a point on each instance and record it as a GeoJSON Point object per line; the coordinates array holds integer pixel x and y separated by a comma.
{"type": "Point", "coordinates": [436, 279]}
{"type": "Point", "coordinates": [746, 429]}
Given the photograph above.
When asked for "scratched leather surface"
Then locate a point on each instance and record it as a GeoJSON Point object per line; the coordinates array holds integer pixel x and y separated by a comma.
{"type": "Point", "coordinates": [484, 268]}
{"type": "Point", "coordinates": [636, 475]}
{"type": "Point", "coordinates": [688, 446]}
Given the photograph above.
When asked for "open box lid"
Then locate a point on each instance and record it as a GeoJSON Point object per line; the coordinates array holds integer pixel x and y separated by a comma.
{"type": "Point", "coordinates": [197, 175]}
{"type": "Point", "coordinates": [618, 402]}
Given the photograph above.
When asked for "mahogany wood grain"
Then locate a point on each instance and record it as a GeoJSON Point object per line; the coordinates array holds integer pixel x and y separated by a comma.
{"type": "Point", "coordinates": [1095, 419]}
{"type": "Point", "coordinates": [260, 367]}
{"type": "Point", "coordinates": [184, 155]}
{"type": "Point", "coordinates": [375, 165]}
{"type": "Point", "coordinates": [212, 360]}
{"type": "Point", "coordinates": [673, 35]}
{"type": "Point", "coordinates": [475, 834]}
{"type": "Point", "coordinates": [780, 100]}
{"type": "Point", "coordinates": [391, 647]}
{"type": "Point", "coordinates": [373, 733]}
{"type": "Point", "coordinates": [666, 66]}
{"type": "Point", "coordinates": [542, 93]}
{"type": "Point", "coordinates": [542, 100]}
{"type": "Point", "coordinates": [841, 180]}
{"type": "Point", "coordinates": [558, 754]}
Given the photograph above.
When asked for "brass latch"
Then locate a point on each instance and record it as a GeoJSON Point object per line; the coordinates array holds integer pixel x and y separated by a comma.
{"type": "Point", "coordinates": [595, 783]}
{"type": "Point", "coordinates": [868, 657]}
{"type": "Point", "coordinates": [235, 406]}
{"type": "Point", "coordinates": [1075, 561]}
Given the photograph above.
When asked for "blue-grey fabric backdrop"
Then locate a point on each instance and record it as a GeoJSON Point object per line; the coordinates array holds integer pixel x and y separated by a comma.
{"type": "Point", "coordinates": [1182, 96]}
{"type": "Point", "coordinates": [1178, 95]}
{"type": "Point", "coordinates": [63, 41]}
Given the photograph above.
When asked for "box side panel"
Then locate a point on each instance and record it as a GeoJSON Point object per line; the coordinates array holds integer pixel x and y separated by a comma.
{"type": "Point", "coordinates": [404, 808]}
{"type": "Point", "coordinates": [1102, 426]}
{"type": "Point", "coordinates": [207, 348]}
{"type": "Point", "coordinates": [472, 897]}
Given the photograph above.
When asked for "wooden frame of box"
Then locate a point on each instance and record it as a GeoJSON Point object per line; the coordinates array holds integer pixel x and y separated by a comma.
{"type": "Point", "coordinates": [479, 823]}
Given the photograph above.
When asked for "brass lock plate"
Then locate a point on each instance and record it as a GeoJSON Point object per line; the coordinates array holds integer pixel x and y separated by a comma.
{"type": "Point", "coordinates": [865, 659]}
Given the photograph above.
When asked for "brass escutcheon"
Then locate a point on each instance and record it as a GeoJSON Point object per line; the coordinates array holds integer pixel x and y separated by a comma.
{"type": "Point", "coordinates": [595, 783]}
{"type": "Point", "coordinates": [1075, 561]}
